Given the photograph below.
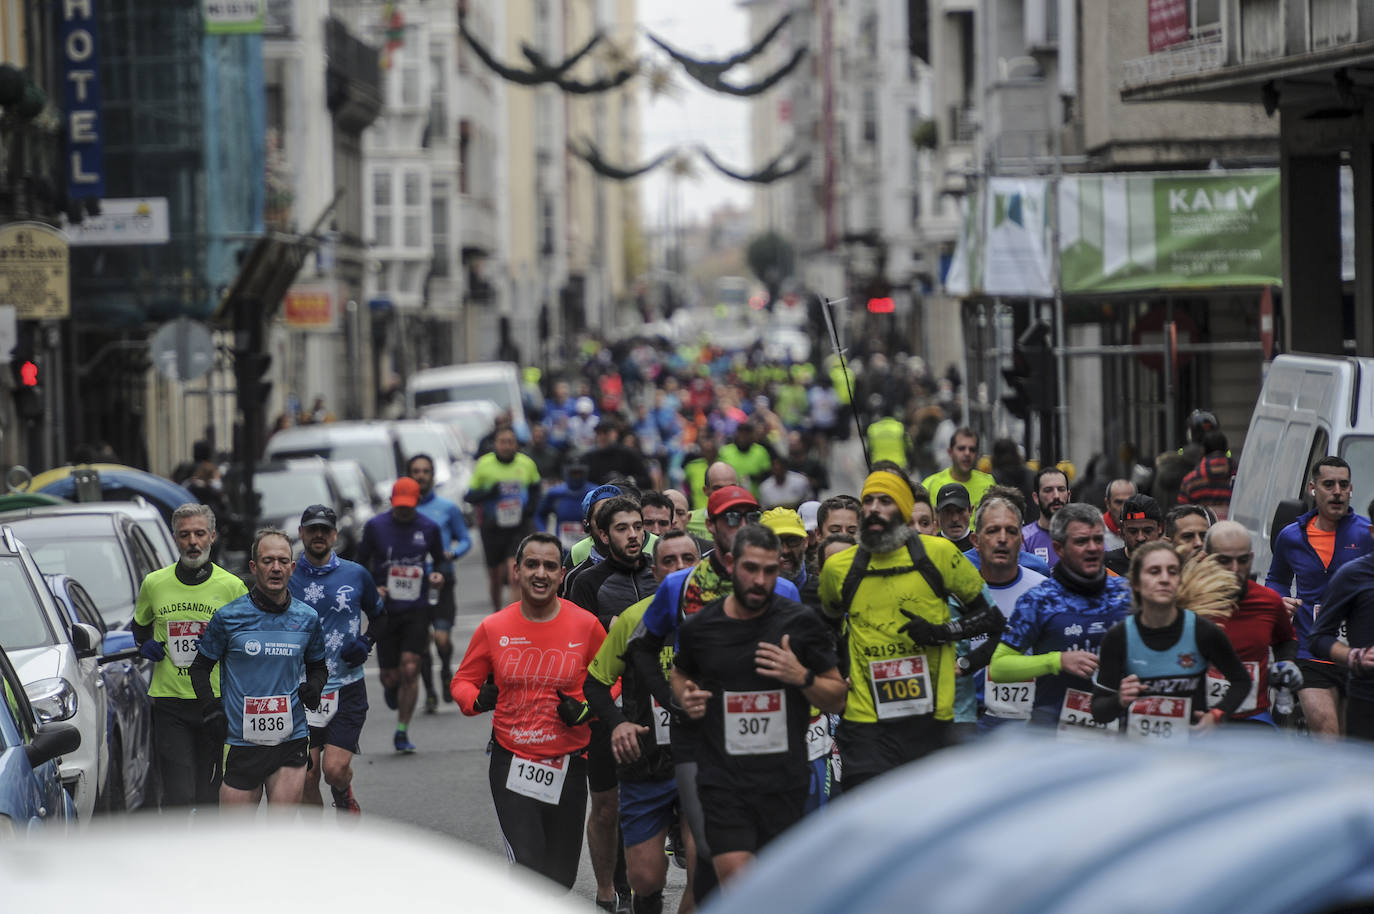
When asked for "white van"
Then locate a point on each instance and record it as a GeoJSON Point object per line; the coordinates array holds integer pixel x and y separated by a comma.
{"type": "Point", "coordinates": [498, 382]}
{"type": "Point", "coordinates": [1310, 406]}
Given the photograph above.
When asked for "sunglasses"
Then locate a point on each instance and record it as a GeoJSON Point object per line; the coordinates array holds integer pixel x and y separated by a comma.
{"type": "Point", "coordinates": [735, 518]}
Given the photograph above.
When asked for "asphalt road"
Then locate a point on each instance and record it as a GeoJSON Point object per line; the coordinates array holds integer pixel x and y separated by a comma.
{"type": "Point", "coordinates": [443, 786]}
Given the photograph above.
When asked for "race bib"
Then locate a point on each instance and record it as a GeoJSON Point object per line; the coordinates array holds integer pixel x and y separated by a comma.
{"type": "Point", "coordinates": [509, 506]}
{"type": "Point", "coordinates": [267, 720]}
{"type": "Point", "coordinates": [183, 641]}
{"type": "Point", "coordinates": [817, 737]}
{"type": "Point", "coordinates": [901, 687]}
{"type": "Point", "coordinates": [404, 582]}
{"type": "Point", "coordinates": [1011, 700]}
{"type": "Point", "coordinates": [663, 719]}
{"type": "Point", "coordinates": [755, 722]}
{"type": "Point", "coordinates": [569, 533]}
{"type": "Point", "coordinates": [1159, 718]}
{"type": "Point", "coordinates": [1076, 717]}
{"type": "Point", "coordinates": [540, 779]}
{"type": "Point", "coordinates": [1217, 683]}
{"type": "Point", "coordinates": [321, 716]}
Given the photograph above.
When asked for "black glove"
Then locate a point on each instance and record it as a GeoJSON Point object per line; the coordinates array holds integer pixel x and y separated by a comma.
{"type": "Point", "coordinates": [309, 695]}
{"type": "Point", "coordinates": [486, 697]}
{"type": "Point", "coordinates": [355, 650]}
{"type": "Point", "coordinates": [923, 631]}
{"type": "Point", "coordinates": [212, 717]}
{"type": "Point", "coordinates": [572, 711]}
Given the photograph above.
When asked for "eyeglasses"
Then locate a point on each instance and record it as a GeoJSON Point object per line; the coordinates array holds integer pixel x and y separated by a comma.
{"type": "Point", "coordinates": [735, 518]}
{"type": "Point", "coordinates": [1226, 561]}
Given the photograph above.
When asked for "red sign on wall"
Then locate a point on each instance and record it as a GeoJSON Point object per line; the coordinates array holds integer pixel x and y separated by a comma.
{"type": "Point", "coordinates": [1168, 23]}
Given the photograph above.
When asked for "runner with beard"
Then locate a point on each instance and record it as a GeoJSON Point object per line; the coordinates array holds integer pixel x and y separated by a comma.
{"type": "Point", "coordinates": [605, 589]}
{"type": "Point", "coordinates": [174, 605]}
{"type": "Point", "coordinates": [527, 663]}
{"type": "Point", "coordinates": [748, 668]}
{"type": "Point", "coordinates": [682, 594]}
{"type": "Point", "coordinates": [893, 589]}
{"type": "Point", "coordinates": [1051, 494]}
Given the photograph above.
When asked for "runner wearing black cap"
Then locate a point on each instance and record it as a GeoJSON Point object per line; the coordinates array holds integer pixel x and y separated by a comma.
{"type": "Point", "coordinates": [1141, 520]}
{"type": "Point", "coordinates": [952, 507]}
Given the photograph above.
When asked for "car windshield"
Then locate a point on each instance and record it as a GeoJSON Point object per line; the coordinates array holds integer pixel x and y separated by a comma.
{"type": "Point", "coordinates": [494, 390]}
{"type": "Point", "coordinates": [287, 493]}
{"type": "Point", "coordinates": [23, 621]}
{"type": "Point", "coordinates": [96, 561]}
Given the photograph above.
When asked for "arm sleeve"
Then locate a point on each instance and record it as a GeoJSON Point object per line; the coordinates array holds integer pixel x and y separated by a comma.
{"type": "Point", "coordinates": [460, 534]}
{"type": "Point", "coordinates": [642, 654]}
{"type": "Point", "coordinates": [141, 632]}
{"type": "Point", "coordinates": [370, 600]}
{"type": "Point", "coordinates": [317, 674]}
{"type": "Point", "coordinates": [1010, 665]}
{"type": "Point", "coordinates": [1110, 670]}
{"type": "Point", "coordinates": [1279, 577]}
{"type": "Point", "coordinates": [472, 672]}
{"type": "Point", "coordinates": [1340, 595]}
{"type": "Point", "coordinates": [314, 648]}
{"type": "Point", "coordinates": [980, 656]}
{"type": "Point", "coordinates": [437, 553]}
{"type": "Point", "coordinates": [1217, 650]}
{"type": "Point", "coordinates": [200, 678]}
{"type": "Point", "coordinates": [598, 696]}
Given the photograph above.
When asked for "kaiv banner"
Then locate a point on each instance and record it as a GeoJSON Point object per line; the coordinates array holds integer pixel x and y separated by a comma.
{"type": "Point", "coordinates": [1125, 233]}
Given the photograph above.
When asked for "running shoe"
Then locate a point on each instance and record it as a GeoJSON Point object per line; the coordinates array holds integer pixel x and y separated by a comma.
{"type": "Point", "coordinates": [674, 846]}
{"type": "Point", "coordinates": [431, 703]}
{"type": "Point", "coordinates": [389, 696]}
{"type": "Point", "coordinates": [347, 804]}
{"type": "Point", "coordinates": [402, 742]}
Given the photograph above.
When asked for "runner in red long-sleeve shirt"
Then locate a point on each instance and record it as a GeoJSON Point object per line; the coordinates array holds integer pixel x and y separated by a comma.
{"type": "Point", "coordinates": [527, 663]}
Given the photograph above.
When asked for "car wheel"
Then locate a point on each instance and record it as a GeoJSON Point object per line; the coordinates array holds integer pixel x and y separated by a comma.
{"type": "Point", "coordinates": [111, 799]}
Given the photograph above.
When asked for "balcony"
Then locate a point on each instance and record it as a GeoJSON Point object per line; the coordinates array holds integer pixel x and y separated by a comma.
{"type": "Point", "coordinates": [1203, 52]}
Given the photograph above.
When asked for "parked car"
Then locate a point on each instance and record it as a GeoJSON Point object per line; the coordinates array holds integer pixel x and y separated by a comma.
{"type": "Point", "coordinates": [146, 515]}
{"type": "Point", "coordinates": [287, 487]}
{"type": "Point", "coordinates": [31, 794]}
{"type": "Point", "coordinates": [358, 502]}
{"type": "Point", "coordinates": [369, 443]}
{"type": "Point", "coordinates": [98, 544]}
{"type": "Point", "coordinates": [59, 665]}
{"type": "Point", "coordinates": [130, 779]}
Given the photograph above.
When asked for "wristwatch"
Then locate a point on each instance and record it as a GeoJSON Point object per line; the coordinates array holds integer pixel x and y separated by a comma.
{"type": "Point", "coordinates": [962, 663]}
{"type": "Point", "coordinates": [810, 678]}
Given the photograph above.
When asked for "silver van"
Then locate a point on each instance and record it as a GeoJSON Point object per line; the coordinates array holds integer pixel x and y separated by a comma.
{"type": "Point", "coordinates": [1309, 406]}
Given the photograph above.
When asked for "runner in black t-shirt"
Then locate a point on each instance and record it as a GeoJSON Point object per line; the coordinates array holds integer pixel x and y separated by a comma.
{"type": "Point", "coordinates": [748, 667]}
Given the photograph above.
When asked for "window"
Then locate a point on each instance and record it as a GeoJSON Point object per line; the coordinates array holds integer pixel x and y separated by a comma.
{"type": "Point", "coordinates": [870, 116]}
{"type": "Point", "coordinates": [413, 223]}
{"type": "Point", "coordinates": [382, 235]}
{"type": "Point", "coordinates": [438, 228]}
{"type": "Point", "coordinates": [413, 183]}
{"type": "Point", "coordinates": [383, 276]}
{"type": "Point", "coordinates": [411, 274]}
{"type": "Point", "coordinates": [438, 95]}
{"type": "Point", "coordinates": [464, 156]}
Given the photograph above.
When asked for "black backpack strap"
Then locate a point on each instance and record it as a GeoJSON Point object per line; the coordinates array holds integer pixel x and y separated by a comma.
{"type": "Point", "coordinates": [920, 561]}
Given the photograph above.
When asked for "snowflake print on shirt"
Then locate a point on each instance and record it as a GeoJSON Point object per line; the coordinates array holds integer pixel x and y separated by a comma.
{"type": "Point", "coordinates": [313, 593]}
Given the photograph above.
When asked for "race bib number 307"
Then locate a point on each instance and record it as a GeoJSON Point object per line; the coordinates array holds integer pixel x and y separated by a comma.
{"type": "Point", "coordinates": [901, 687]}
{"type": "Point", "coordinates": [755, 722]}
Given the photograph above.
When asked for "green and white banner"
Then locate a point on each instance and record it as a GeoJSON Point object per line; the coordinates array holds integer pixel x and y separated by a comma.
{"type": "Point", "coordinates": [1121, 233]}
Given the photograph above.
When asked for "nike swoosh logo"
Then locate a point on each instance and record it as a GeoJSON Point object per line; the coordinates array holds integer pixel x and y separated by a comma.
{"type": "Point", "coordinates": [574, 644]}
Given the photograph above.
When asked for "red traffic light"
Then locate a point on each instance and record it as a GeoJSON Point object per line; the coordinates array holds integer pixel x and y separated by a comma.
{"type": "Point", "coordinates": [882, 305]}
{"type": "Point", "coordinates": [28, 374]}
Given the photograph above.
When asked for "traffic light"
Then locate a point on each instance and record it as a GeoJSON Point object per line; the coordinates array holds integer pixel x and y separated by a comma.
{"type": "Point", "coordinates": [880, 297]}
{"type": "Point", "coordinates": [28, 397]}
{"type": "Point", "coordinates": [1031, 383]}
{"type": "Point", "coordinates": [1018, 379]}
